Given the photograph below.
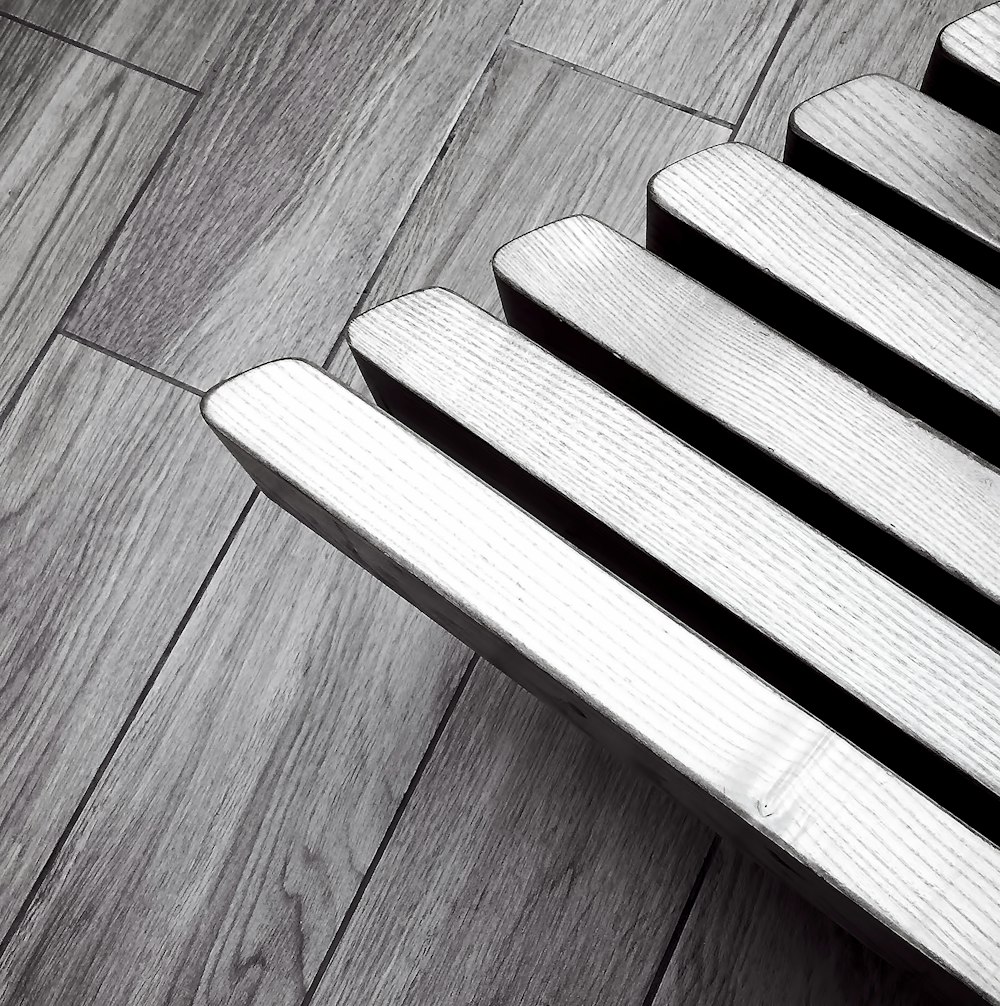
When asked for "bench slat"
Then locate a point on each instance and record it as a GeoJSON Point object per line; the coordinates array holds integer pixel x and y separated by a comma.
{"type": "Point", "coordinates": [964, 70]}
{"type": "Point", "coordinates": [921, 167]}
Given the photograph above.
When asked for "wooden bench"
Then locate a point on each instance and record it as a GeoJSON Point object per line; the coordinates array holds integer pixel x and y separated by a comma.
{"type": "Point", "coordinates": [730, 503]}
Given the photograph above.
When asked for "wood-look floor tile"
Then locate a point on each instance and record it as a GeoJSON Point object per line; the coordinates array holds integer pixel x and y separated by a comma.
{"type": "Point", "coordinates": [78, 136]}
{"type": "Point", "coordinates": [175, 38]}
{"type": "Point", "coordinates": [267, 219]}
{"type": "Point", "coordinates": [829, 43]}
{"type": "Point", "coordinates": [115, 502]}
{"type": "Point", "coordinates": [529, 868]}
{"type": "Point", "coordinates": [750, 940]}
{"type": "Point", "coordinates": [245, 804]}
{"type": "Point", "coordinates": [703, 55]}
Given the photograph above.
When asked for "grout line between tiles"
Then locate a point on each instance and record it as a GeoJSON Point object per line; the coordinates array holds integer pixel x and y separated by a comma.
{"type": "Point", "coordinates": [119, 227]}
{"type": "Point", "coordinates": [19, 388]}
{"type": "Point", "coordinates": [390, 831]}
{"type": "Point", "coordinates": [586, 71]}
{"type": "Point", "coordinates": [98, 52]}
{"type": "Point", "coordinates": [7, 937]}
{"type": "Point", "coordinates": [771, 56]}
{"type": "Point", "coordinates": [116, 232]}
{"type": "Point", "coordinates": [102, 769]}
{"type": "Point", "coordinates": [97, 347]}
{"type": "Point", "coordinates": [682, 919]}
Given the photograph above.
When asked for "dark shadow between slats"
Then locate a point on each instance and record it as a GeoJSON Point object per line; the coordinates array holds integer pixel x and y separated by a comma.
{"type": "Point", "coordinates": [959, 86]}
{"type": "Point", "coordinates": [918, 573]}
{"type": "Point", "coordinates": [888, 374]}
{"type": "Point", "coordinates": [889, 204]}
{"type": "Point", "coordinates": [913, 761]}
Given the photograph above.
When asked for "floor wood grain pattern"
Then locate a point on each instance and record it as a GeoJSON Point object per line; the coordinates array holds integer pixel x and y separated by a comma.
{"type": "Point", "coordinates": [218, 857]}
{"type": "Point", "coordinates": [517, 161]}
{"type": "Point", "coordinates": [702, 55]}
{"type": "Point", "coordinates": [78, 136]}
{"type": "Point", "coordinates": [255, 240]}
{"type": "Point", "coordinates": [530, 867]}
{"type": "Point", "coordinates": [175, 38]}
{"type": "Point", "coordinates": [114, 503]}
{"type": "Point", "coordinates": [750, 940]}
{"type": "Point", "coordinates": [831, 42]}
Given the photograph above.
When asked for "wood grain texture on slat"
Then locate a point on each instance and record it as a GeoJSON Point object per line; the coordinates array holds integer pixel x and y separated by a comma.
{"type": "Point", "coordinates": [220, 854]}
{"type": "Point", "coordinates": [750, 940]}
{"type": "Point", "coordinates": [544, 434]}
{"type": "Point", "coordinates": [271, 212]}
{"type": "Point", "coordinates": [529, 868]}
{"type": "Point", "coordinates": [926, 170]}
{"type": "Point", "coordinates": [114, 505]}
{"type": "Point", "coordinates": [899, 495]}
{"type": "Point", "coordinates": [828, 43]}
{"type": "Point", "coordinates": [752, 762]}
{"type": "Point", "coordinates": [517, 160]}
{"type": "Point", "coordinates": [975, 41]}
{"type": "Point", "coordinates": [907, 322]}
{"type": "Point", "coordinates": [175, 38]}
{"type": "Point", "coordinates": [77, 137]}
{"type": "Point", "coordinates": [964, 70]}
{"type": "Point", "coordinates": [702, 55]}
